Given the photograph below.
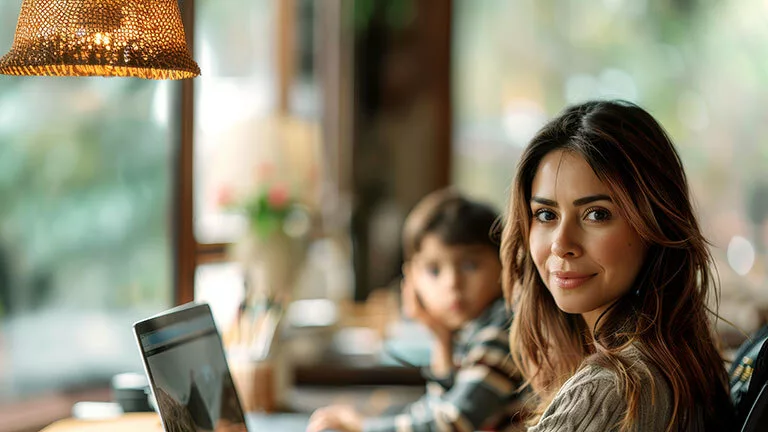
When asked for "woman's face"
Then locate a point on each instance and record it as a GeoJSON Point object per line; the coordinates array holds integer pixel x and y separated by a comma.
{"type": "Point", "coordinates": [586, 253]}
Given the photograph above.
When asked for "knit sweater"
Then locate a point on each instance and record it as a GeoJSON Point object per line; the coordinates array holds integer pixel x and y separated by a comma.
{"type": "Point", "coordinates": [590, 401]}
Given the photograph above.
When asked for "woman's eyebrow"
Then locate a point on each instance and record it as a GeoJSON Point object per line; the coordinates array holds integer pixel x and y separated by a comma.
{"type": "Point", "coordinates": [576, 203]}
{"type": "Point", "coordinates": [591, 198]}
{"type": "Point", "coordinates": [544, 201]}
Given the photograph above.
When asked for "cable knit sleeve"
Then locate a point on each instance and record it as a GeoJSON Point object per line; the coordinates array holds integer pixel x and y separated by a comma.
{"type": "Point", "coordinates": [588, 402]}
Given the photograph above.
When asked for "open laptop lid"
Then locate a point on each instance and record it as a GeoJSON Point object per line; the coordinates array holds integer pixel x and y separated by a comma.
{"type": "Point", "coordinates": [184, 359]}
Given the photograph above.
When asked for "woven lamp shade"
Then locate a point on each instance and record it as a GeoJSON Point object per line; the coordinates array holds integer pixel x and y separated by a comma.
{"type": "Point", "coordinates": [113, 38]}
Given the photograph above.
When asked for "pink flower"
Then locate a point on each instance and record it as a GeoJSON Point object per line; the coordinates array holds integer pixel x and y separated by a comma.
{"type": "Point", "coordinates": [223, 197]}
{"type": "Point", "coordinates": [277, 196]}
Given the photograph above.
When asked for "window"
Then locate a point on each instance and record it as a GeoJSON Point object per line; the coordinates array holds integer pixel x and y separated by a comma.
{"type": "Point", "coordinates": [234, 100]}
{"type": "Point", "coordinates": [85, 247]}
{"type": "Point", "coordinates": [256, 105]}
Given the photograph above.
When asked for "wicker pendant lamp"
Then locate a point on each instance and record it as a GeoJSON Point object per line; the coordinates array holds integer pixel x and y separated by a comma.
{"type": "Point", "coordinates": [112, 38]}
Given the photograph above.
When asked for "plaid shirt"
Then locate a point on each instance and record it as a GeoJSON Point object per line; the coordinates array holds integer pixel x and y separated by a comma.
{"type": "Point", "coordinates": [480, 394]}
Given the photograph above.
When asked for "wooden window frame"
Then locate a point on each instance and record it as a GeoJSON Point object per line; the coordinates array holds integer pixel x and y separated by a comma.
{"type": "Point", "coordinates": [185, 246]}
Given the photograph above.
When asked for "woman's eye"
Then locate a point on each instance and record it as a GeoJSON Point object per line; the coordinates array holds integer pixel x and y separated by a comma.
{"type": "Point", "coordinates": [544, 215]}
{"type": "Point", "coordinates": [598, 215]}
{"type": "Point", "coordinates": [433, 270]}
{"type": "Point", "coordinates": [469, 265]}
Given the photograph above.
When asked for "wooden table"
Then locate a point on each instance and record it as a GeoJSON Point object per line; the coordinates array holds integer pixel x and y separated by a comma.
{"type": "Point", "coordinates": [150, 422]}
{"type": "Point", "coordinates": [133, 422]}
{"type": "Point", "coordinates": [370, 400]}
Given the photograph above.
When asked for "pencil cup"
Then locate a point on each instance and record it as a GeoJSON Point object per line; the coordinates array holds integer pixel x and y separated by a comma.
{"type": "Point", "coordinates": [255, 381]}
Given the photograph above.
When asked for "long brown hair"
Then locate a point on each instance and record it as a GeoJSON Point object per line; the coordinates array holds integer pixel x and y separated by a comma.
{"type": "Point", "coordinates": [665, 314]}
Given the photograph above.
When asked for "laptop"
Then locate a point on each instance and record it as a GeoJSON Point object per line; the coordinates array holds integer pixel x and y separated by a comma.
{"type": "Point", "coordinates": [189, 377]}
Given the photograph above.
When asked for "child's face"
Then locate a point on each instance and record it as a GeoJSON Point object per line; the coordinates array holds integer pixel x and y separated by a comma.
{"type": "Point", "coordinates": [455, 283]}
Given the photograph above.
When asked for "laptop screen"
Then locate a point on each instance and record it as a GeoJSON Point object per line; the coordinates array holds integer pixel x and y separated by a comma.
{"type": "Point", "coordinates": [188, 371]}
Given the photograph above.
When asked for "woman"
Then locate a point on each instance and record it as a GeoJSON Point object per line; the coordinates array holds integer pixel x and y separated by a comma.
{"type": "Point", "coordinates": [609, 275]}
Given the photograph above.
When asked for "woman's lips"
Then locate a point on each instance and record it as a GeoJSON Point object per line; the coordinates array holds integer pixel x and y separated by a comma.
{"type": "Point", "coordinates": [569, 280]}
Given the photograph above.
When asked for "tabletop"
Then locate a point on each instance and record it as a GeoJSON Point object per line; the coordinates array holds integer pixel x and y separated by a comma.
{"type": "Point", "coordinates": [150, 422]}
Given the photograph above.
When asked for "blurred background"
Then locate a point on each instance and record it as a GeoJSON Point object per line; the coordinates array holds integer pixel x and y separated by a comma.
{"type": "Point", "coordinates": [118, 196]}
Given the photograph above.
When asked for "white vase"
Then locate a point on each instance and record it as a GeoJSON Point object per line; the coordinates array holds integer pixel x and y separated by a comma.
{"type": "Point", "coordinates": [271, 266]}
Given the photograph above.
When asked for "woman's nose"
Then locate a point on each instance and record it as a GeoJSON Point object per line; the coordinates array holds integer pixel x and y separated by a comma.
{"type": "Point", "coordinates": [565, 244]}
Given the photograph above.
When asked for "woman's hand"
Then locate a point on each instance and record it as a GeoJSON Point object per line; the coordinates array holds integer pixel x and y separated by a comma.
{"type": "Point", "coordinates": [341, 418]}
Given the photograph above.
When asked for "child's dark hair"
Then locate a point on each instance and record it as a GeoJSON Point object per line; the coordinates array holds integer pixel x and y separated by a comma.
{"type": "Point", "coordinates": [453, 218]}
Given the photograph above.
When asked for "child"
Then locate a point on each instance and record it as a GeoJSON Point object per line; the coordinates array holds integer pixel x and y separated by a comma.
{"type": "Point", "coordinates": [451, 285]}
{"type": "Point", "coordinates": [610, 275]}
